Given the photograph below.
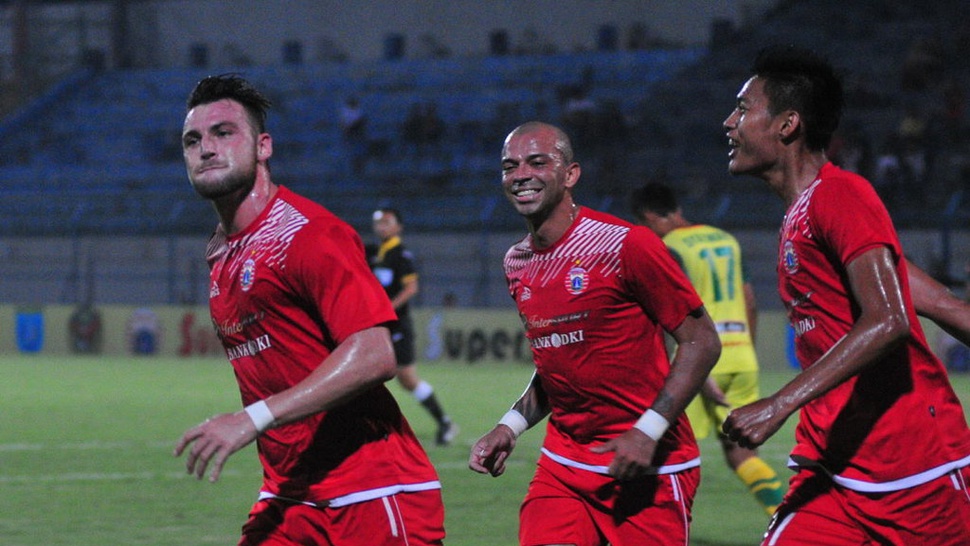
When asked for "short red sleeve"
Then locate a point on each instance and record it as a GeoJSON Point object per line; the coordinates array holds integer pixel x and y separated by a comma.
{"type": "Point", "coordinates": [332, 271]}
{"type": "Point", "coordinates": [847, 213]}
{"type": "Point", "coordinates": [657, 280]}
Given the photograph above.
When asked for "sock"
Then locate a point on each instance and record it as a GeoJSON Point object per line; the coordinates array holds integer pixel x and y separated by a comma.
{"type": "Point", "coordinates": [424, 393]}
{"type": "Point", "coordinates": [762, 482]}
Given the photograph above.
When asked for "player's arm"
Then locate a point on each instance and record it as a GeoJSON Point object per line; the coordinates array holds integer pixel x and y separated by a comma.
{"type": "Point", "coordinates": [936, 302]}
{"type": "Point", "coordinates": [365, 359]}
{"type": "Point", "coordinates": [409, 289]}
{"type": "Point", "coordinates": [881, 326]}
{"type": "Point", "coordinates": [698, 348]}
{"type": "Point", "coordinates": [490, 452]}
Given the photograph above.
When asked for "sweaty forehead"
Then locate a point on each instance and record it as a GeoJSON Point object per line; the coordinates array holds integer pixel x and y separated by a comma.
{"type": "Point", "coordinates": [753, 90]}
{"type": "Point", "coordinates": [530, 144]}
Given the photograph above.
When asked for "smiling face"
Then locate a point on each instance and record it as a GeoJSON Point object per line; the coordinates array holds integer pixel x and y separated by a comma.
{"type": "Point", "coordinates": [536, 174]}
{"type": "Point", "coordinates": [221, 148]}
{"type": "Point", "coordinates": [753, 132]}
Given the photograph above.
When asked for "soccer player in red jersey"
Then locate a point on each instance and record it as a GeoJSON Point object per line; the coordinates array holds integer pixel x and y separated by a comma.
{"type": "Point", "coordinates": [304, 325]}
{"type": "Point", "coordinates": [619, 463]}
{"type": "Point", "coordinates": [882, 444]}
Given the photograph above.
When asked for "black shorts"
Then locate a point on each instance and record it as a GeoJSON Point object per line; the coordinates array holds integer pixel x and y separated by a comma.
{"type": "Point", "coordinates": [402, 334]}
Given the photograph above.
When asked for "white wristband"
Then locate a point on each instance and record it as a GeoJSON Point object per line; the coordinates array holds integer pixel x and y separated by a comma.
{"type": "Point", "coordinates": [515, 421]}
{"type": "Point", "coordinates": [652, 424]}
{"type": "Point", "coordinates": [261, 416]}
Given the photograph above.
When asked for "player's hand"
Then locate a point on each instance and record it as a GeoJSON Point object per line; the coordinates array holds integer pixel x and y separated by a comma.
{"type": "Point", "coordinates": [750, 426]}
{"type": "Point", "coordinates": [489, 453]}
{"type": "Point", "coordinates": [633, 454]}
{"type": "Point", "coordinates": [214, 441]}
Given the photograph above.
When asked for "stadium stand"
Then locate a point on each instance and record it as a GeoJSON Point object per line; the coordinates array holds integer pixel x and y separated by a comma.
{"type": "Point", "coordinates": [99, 153]}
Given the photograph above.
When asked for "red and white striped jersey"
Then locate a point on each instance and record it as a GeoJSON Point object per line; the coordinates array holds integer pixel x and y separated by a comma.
{"type": "Point", "coordinates": [284, 293]}
{"type": "Point", "coordinates": [595, 306]}
{"type": "Point", "coordinates": [866, 431]}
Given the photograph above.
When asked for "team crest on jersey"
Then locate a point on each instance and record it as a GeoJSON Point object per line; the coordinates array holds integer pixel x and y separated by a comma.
{"type": "Point", "coordinates": [213, 290]}
{"type": "Point", "coordinates": [577, 280]}
{"type": "Point", "coordinates": [789, 257]}
{"type": "Point", "coordinates": [248, 274]}
{"type": "Point", "coordinates": [525, 294]}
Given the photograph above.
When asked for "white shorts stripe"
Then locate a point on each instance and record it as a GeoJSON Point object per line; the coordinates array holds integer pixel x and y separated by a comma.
{"type": "Point", "coordinates": [679, 497]}
{"type": "Point", "coordinates": [775, 533]}
{"type": "Point", "coordinates": [884, 487]}
{"type": "Point", "coordinates": [605, 470]}
{"type": "Point", "coordinates": [361, 496]}
{"type": "Point", "coordinates": [391, 516]}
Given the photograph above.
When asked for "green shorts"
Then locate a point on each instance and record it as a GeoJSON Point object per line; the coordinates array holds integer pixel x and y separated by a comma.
{"type": "Point", "coordinates": [739, 388]}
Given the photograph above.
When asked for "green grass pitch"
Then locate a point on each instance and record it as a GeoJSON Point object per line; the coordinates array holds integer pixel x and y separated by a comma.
{"type": "Point", "coordinates": [86, 455]}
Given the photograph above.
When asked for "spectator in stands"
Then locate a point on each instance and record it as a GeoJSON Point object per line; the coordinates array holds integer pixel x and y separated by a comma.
{"type": "Point", "coordinates": [580, 116]}
{"type": "Point", "coordinates": [849, 149]}
{"type": "Point", "coordinates": [430, 48]}
{"type": "Point", "coordinates": [953, 115]}
{"type": "Point", "coordinates": [353, 128]}
{"type": "Point", "coordinates": [922, 65]}
{"type": "Point", "coordinates": [423, 127]}
{"type": "Point", "coordinates": [638, 37]}
{"type": "Point", "coordinates": [914, 150]}
{"type": "Point", "coordinates": [887, 177]}
{"type": "Point", "coordinates": [532, 43]}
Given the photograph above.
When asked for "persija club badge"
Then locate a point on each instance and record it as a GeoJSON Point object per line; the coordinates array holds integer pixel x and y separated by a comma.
{"type": "Point", "coordinates": [248, 274]}
{"type": "Point", "coordinates": [577, 280]}
{"type": "Point", "coordinates": [789, 257]}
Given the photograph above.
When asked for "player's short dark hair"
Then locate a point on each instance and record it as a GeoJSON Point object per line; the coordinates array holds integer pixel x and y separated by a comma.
{"type": "Point", "coordinates": [654, 197]}
{"type": "Point", "coordinates": [801, 80]}
{"type": "Point", "coordinates": [233, 87]}
{"type": "Point", "coordinates": [394, 212]}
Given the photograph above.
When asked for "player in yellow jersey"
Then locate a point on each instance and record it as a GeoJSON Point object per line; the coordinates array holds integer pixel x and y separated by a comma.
{"type": "Point", "coordinates": [711, 257]}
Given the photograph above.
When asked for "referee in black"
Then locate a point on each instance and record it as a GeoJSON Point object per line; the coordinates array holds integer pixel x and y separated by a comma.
{"type": "Point", "coordinates": [393, 264]}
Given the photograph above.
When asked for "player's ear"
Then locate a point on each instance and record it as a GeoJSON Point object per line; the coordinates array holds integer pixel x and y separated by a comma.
{"type": "Point", "coordinates": [264, 147]}
{"type": "Point", "coordinates": [572, 174]}
{"type": "Point", "coordinates": [790, 125]}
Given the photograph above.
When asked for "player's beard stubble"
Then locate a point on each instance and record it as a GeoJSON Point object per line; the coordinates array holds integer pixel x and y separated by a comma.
{"type": "Point", "coordinates": [239, 182]}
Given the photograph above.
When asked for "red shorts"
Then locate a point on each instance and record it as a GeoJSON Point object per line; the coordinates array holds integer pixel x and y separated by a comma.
{"type": "Point", "coordinates": [413, 519]}
{"type": "Point", "coordinates": [567, 505]}
{"type": "Point", "coordinates": [818, 512]}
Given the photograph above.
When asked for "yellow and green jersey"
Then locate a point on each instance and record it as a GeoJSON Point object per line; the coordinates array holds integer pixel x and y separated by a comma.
{"type": "Point", "coordinates": [711, 257]}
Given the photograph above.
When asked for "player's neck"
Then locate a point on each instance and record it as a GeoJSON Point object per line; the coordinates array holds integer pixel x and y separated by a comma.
{"type": "Point", "coordinates": [547, 231]}
{"type": "Point", "coordinates": [795, 176]}
{"type": "Point", "coordinates": [237, 212]}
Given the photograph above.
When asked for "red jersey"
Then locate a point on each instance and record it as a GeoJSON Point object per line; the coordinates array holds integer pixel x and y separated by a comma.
{"type": "Point", "coordinates": [898, 423]}
{"type": "Point", "coordinates": [595, 306]}
{"type": "Point", "coordinates": [284, 293]}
